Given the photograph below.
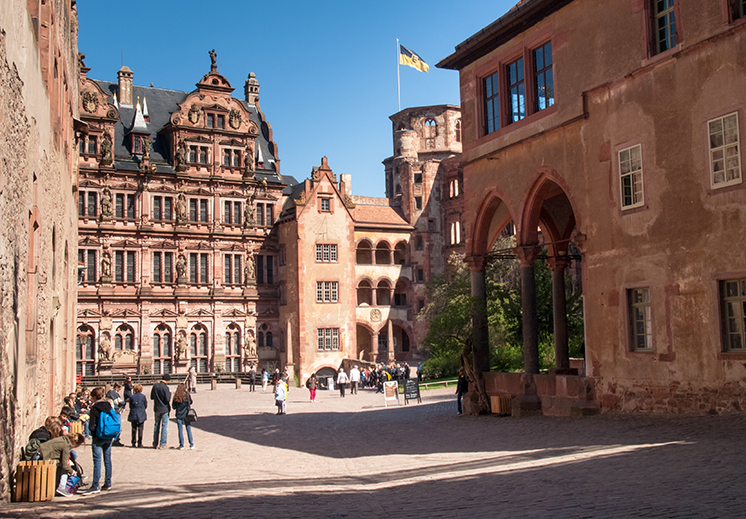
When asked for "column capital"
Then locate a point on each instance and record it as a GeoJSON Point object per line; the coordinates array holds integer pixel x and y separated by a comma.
{"type": "Point", "coordinates": [476, 263]}
{"type": "Point", "coordinates": [558, 263]}
{"type": "Point", "coordinates": [527, 254]}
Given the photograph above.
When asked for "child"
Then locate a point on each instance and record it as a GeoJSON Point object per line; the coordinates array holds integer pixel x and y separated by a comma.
{"type": "Point", "coordinates": [59, 449]}
{"type": "Point", "coordinates": [281, 393]}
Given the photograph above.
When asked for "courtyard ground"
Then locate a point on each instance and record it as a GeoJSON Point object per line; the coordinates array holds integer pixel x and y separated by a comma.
{"type": "Point", "coordinates": [353, 457]}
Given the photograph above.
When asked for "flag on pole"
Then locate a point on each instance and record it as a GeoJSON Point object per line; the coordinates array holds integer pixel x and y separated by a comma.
{"type": "Point", "coordinates": [412, 59]}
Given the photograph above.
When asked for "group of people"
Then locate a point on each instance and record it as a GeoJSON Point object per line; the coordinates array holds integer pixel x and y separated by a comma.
{"type": "Point", "coordinates": [100, 413]}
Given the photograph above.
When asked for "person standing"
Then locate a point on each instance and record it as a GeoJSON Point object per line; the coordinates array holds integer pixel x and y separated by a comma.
{"type": "Point", "coordinates": [265, 380]}
{"type": "Point", "coordinates": [342, 380]}
{"type": "Point", "coordinates": [161, 397]}
{"type": "Point", "coordinates": [252, 379]}
{"type": "Point", "coordinates": [312, 384]}
{"type": "Point", "coordinates": [100, 447]}
{"type": "Point", "coordinates": [354, 380]}
{"type": "Point", "coordinates": [281, 394]}
{"type": "Point", "coordinates": [462, 387]}
{"type": "Point", "coordinates": [128, 386]}
{"type": "Point", "coordinates": [182, 404]}
{"type": "Point", "coordinates": [118, 404]}
{"type": "Point", "coordinates": [138, 414]}
{"type": "Point", "coordinates": [192, 379]}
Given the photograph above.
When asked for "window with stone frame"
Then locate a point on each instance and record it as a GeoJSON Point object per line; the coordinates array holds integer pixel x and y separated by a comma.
{"type": "Point", "coordinates": [124, 338]}
{"type": "Point", "coordinates": [640, 322]}
{"type": "Point", "coordinates": [327, 291]}
{"type": "Point", "coordinates": [491, 86]}
{"type": "Point", "coordinates": [85, 346]}
{"type": "Point", "coordinates": [516, 91]}
{"type": "Point", "coordinates": [430, 129]}
{"type": "Point", "coordinates": [231, 157]}
{"type": "Point", "coordinates": [88, 258]}
{"type": "Point", "coordinates": [87, 204]}
{"type": "Point", "coordinates": [162, 350]}
{"type": "Point", "coordinates": [327, 339]}
{"type": "Point", "coordinates": [630, 177]}
{"type": "Point", "coordinates": [124, 266]}
{"type": "Point", "coordinates": [418, 202]}
{"type": "Point", "coordinates": [725, 155]}
{"type": "Point", "coordinates": [233, 348]}
{"type": "Point", "coordinates": [198, 268]}
{"type": "Point", "coordinates": [326, 252]}
{"type": "Point", "coordinates": [733, 308]}
{"type": "Point", "coordinates": [198, 154]}
{"type": "Point", "coordinates": [92, 145]}
{"type": "Point", "coordinates": [124, 206]}
{"type": "Point", "coordinates": [457, 129]}
{"type": "Point", "coordinates": [232, 212]}
{"type": "Point", "coordinates": [543, 77]}
{"type": "Point", "coordinates": [264, 215]}
{"type": "Point", "coordinates": [163, 208]}
{"type": "Point", "coordinates": [163, 267]}
{"type": "Point", "coordinates": [199, 349]}
{"type": "Point", "coordinates": [418, 243]}
{"type": "Point", "coordinates": [664, 25]}
{"type": "Point", "coordinates": [232, 269]}
{"type": "Point", "coordinates": [198, 210]}
{"type": "Point", "coordinates": [325, 205]}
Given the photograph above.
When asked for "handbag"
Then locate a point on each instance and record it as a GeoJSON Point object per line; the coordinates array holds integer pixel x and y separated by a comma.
{"type": "Point", "coordinates": [191, 416]}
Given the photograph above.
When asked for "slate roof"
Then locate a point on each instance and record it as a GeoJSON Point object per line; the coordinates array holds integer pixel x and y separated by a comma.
{"type": "Point", "coordinates": [161, 104]}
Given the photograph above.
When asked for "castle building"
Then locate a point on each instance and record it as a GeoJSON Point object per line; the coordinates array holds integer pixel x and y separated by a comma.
{"type": "Point", "coordinates": [198, 252]}
{"type": "Point", "coordinates": [615, 126]}
{"type": "Point", "coordinates": [38, 242]}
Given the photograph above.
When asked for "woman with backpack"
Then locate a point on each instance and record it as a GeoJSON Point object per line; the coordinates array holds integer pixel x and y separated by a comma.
{"type": "Point", "coordinates": [101, 439]}
{"type": "Point", "coordinates": [182, 403]}
{"type": "Point", "coordinates": [312, 384]}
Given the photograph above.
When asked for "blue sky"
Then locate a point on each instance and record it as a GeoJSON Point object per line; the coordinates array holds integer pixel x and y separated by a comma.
{"type": "Point", "coordinates": [327, 69]}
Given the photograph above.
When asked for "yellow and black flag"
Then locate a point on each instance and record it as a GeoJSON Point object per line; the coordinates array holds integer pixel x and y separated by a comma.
{"type": "Point", "coordinates": [411, 58]}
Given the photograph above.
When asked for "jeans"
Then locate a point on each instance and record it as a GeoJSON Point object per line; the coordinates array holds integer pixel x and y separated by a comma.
{"type": "Point", "coordinates": [86, 429]}
{"type": "Point", "coordinates": [160, 427]}
{"type": "Point", "coordinates": [353, 388]}
{"type": "Point", "coordinates": [101, 448]}
{"type": "Point", "coordinates": [459, 396]}
{"type": "Point", "coordinates": [179, 423]}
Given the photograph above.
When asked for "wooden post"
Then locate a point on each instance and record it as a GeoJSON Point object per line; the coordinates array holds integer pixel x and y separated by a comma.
{"type": "Point", "coordinates": [214, 384]}
{"type": "Point", "coordinates": [238, 383]}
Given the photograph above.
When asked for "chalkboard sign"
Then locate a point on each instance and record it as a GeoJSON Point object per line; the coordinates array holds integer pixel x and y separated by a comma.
{"type": "Point", "coordinates": [412, 391]}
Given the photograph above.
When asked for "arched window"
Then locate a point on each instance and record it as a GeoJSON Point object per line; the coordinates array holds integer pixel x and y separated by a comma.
{"type": "Point", "coordinates": [162, 350]}
{"type": "Point", "coordinates": [260, 340]}
{"type": "Point", "coordinates": [84, 351]}
{"type": "Point", "coordinates": [124, 338]}
{"type": "Point", "coordinates": [364, 293]}
{"type": "Point", "coordinates": [233, 348]}
{"type": "Point", "coordinates": [364, 253]}
{"type": "Point", "coordinates": [383, 254]}
{"type": "Point", "coordinates": [400, 253]}
{"type": "Point", "coordinates": [383, 293]}
{"type": "Point", "coordinates": [199, 348]}
{"type": "Point", "coordinates": [268, 340]}
{"type": "Point", "coordinates": [430, 129]}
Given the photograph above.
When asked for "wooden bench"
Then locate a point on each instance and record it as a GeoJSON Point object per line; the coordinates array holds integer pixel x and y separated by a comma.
{"type": "Point", "coordinates": [76, 427]}
{"type": "Point", "coordinates": [36, 480]}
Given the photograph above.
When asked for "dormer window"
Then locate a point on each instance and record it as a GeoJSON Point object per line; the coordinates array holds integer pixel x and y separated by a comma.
{"type": "Point", "coordinates": [138, 144]}
{"type": "Point", "coordinates": [215, 121]}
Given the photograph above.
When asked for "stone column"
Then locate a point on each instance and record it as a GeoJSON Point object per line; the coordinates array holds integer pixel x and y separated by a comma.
{"type": "Point", "coordinates": [527, 255]}
{"type": "Point", "coordinates": [481, 339]}
{"type": "Point", "coordinates": [374, 347]}
{"type": "Point", "coordinates": [559, 310]}
{"type": "Point", "coordinates": [390, 331]}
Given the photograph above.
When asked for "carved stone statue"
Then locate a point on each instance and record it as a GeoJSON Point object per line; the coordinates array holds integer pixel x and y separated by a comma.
{"type": "Point", "coordinates": [181, 156]}
{"type": "Point", "coordinates": [248, 221]}
{"type": "Point", "coordinates": [180, 351]}
{"type": "Point", "coordinates": [248, 164]}
{"type": "Point", "coordinates": [106, 158]}
{"type": "Point", "coordinates": [213, 57]}
{"type": "Point", "coordinates": [106, 266]}
{"type": "Point", "coordinates": [181, 209]}
{"type": "Point", "coordinates": [104, 348]}
{"type": "Point", "coordinates": [181, 270]}
{"type": "Point", "coordinates": [106, 204]}
{"type": "Point", "coordinates": [250, 346]}
{"type": "Point", "coordinates": [248, 271]}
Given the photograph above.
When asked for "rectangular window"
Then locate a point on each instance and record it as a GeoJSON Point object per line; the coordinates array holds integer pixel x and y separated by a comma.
{"type": "Point", "coordinates": [203, 155]}
{"type": "Point", "coordinates": [157, 208]}
{"type": "Point", "coordinates": [420, 275]}
{"type": "Point", "coordinates": [236, 158]}
{"type": "Point", "coordinates": [418, 202]}
{"type": "Point", "coordinates": [543, 79]}
{"type": "Point", "coordinates": [228, 212]}
{"type": "Point", "coordinates": [192, 209]}
{"type": "Point", "coordinates": [198, 268]}
{"type": "Point", "coordinates": [119, 266]}
{"type": "Point", "coordinates": [260, 270]}
{"type": "Point", "coordinates": [420, 305]}
{"type": "Point", "coordinates": [221, 121]}
{"type": "Point", "coordinates": [327, 339]}
{"type": "Point", "coordinates": [92, 208]}
{"type": "Point", "coordinates": [203, 268]}
{"type": "Point", "coordinates": [260, 214]}
{"type": "Point", "coordinates": [119, 205]}
{"type": "Point", "coordinates": [203, 210]}
{"type": "Point", "coordinates": [270, 270]}
{"type": "Point", "coordinates": [88, 257]}
{"type": "Point", "coordinates": [81, 145]}
{"type": "Point", "coordinates": [131, 206]}
{"type": "Point", "coordinates": [630, 175]}
{"type": "Point", "coordinates": [228, 269]}
{"type": "Point", "coordinates": [237, 213]}
{"type": "Point", "coordinates": [269, 216]}
{"type": "Point", "coordinates": [418, 243]}
{"type": "Point", "coordinates": [232, 269]}
{"type": "Point", "coordinates": [210, 121]}
{"type": "Point", "coordinates": [739, 9]}
{"type": "Point", "coordinates": [327, 291]}
{"type": "Point", "coordinates": [91, 145]}
{"type": "Point", "coordinates": [81, 203]}
{"type": "Point", "coordinates": [491, 103]}
{"type": "Point", "coordinates": [641, 333]}
{"type": "Point", "coordinates": [227, 157]}
{"type": "Point", "coordinates": [192, 154]}
{"type": "Point", "coordinates": [168, 208]}
{"type": "Point", "coordinates": [326, 205]}
{"type": "Point", "coordinates": [418, 178]}
{"type": "Point", "coordinates": [725, 157]}
{"type": "Point", "coordinates": [733, 294]}
{"type": "Point", "coordinates": [320, 339]}
{"type": "Point", "coordinates": [664, 25]}
{"type": "Point", "coordinates": [157, 266]}
{"type": "Point", "coordinates": [137, 144]}
{"type": "Point", "coordinates": [130, 266]}
{"type": "Point", "coordinates": [167, 265]}
{"type": "Point", "coordinates": [516, 91]}
{"type": "Point", "coordinates": [326, 252]}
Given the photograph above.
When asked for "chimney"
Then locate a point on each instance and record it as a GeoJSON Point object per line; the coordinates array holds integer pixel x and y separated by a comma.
{"type": "Point", "coordinates": [251, 89]}
{"type": "Point", "coordinates": [345, 183]}
{"type": "Point", "coordinates": [125, 86]}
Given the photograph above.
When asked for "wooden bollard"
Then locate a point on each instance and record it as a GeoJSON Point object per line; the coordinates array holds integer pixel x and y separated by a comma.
{"type": "Point", "coordinates": [35, 480]}
{"type": "Point", "coordinates": [238, 383]}
{"type": "Point", "coordinates": [214, 384]}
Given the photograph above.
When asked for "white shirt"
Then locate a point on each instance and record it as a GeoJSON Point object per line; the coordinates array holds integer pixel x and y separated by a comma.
{"type": "Point", "coordinates": [354, 375]}
{"type": "Point", "coordinates": [342, 378]}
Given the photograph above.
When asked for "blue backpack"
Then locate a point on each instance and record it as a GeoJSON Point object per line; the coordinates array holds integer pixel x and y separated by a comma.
{"type": "Point", "coordinates": [109, 425]}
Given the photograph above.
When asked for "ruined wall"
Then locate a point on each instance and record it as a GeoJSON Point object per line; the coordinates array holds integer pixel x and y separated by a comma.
{"type": "Point", "coordinates": [38, 246]}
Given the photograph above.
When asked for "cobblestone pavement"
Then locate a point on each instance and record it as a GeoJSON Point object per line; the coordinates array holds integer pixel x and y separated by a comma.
{"type": "Point", "coordinates": [353, 457]}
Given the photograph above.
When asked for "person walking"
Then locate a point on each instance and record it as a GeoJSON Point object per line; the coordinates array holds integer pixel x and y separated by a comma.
{"type": "Point", "coordinates": [281, 393]}
{"type": "Point", "coordinates": [312, 384]}
{"type": "Point", "coordinates": [161, 397]}
{"type": "Point", "coordinates": [342, 380]}
{"type": "Point", "coordinates": [462, 387]}
{"type": "Point", "coordinates": [192, 379]}
{"type": "Point", "coordinates": [182, 405]}
{"type": "Point", "coordinates": [138, 414]}
{"type": "Point", "coordinates": [100, 447]}
{"type": "Point", "coordinates": [354, 380]}
{"type": "Point", "coordinates": [252, 379]}
{"type": "Point", "coordinates": [265, 380]}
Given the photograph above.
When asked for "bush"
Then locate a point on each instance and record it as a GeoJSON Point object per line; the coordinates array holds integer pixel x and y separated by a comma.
{"type": "Point", "coordinates": [441, 367]}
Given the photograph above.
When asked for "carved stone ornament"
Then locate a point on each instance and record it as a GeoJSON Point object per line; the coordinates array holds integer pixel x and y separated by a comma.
{"type": "Point", "coordinates": [375, 315]}
{"type": "Point", "coordinates": [111, 114]}
{"type": "Point", "coordinates": [90, 101]}
{"type": "Point", "coordinates": [234, 119]}
{"type": "Point", "coordinates": [194, 114]}
{"type": "Point", "coordinates": [253, 129]}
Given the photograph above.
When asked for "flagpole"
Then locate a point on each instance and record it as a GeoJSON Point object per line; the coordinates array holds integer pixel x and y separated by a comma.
{"type": "Point", "coordinates": [398, 81]}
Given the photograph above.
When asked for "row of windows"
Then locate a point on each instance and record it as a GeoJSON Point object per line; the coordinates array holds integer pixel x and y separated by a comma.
{"type": "Point", "coordinates": [163, 209]}
{"type": "Point", "coordinates": [733, 317]}
{"type": "Point", "coordinates": [162, 268]}
{"type": "Point", "coordinates": [724, 161]}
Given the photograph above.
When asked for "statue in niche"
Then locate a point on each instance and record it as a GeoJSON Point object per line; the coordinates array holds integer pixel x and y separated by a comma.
{"type": "Point", "coordinates": [106, 203]}
{"type": "Point", "coordinates": [106, 150]}
{"type": "Point", "coordinates": [181, 209]}
{"type": "Point", "coordinates": [146, 149]}
{"type": "Point", "coordinates": [106, 265]}
{"type": "Point", "coordinates": [181, 269]}
{"type": "Point", "coordinates": [249, 221]}
{"type": "Point", "coordinates": [248, 163]}
{"type": "Point", "coordinates": [213, 57]}
{"type": "Point", "coordinates": [104, 348]}
{"type": "Point", "coordinates": [181, 156]}
{"type": "Point", "coordinates": [180, 352]}
{"type": "Point", "coordinates": [248, 271]}
{"type": "Point", "coordinates": [250, 346]}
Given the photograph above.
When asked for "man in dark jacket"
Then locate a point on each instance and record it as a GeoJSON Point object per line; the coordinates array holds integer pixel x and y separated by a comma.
{"type": "Point", "coordinates": [462, 387]}
{"type": "Point", "coordinates": [161, 397]}
{"type": "Point", "coordinates": [100, 447]}
{"type": "Point", "coordinates": [252, 378]}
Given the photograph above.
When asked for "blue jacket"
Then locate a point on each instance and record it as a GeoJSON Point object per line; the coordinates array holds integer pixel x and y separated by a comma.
{"type": "Point", "coordinates": [138, 405]}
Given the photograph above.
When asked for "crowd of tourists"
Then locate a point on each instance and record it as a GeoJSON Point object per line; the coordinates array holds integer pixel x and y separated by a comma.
{"type": "Point", "coordinates": [96, 415]}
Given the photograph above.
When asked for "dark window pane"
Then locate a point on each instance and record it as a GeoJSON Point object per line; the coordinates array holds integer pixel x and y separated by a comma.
{"type": "Point", "coordinates": [167, 267]}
